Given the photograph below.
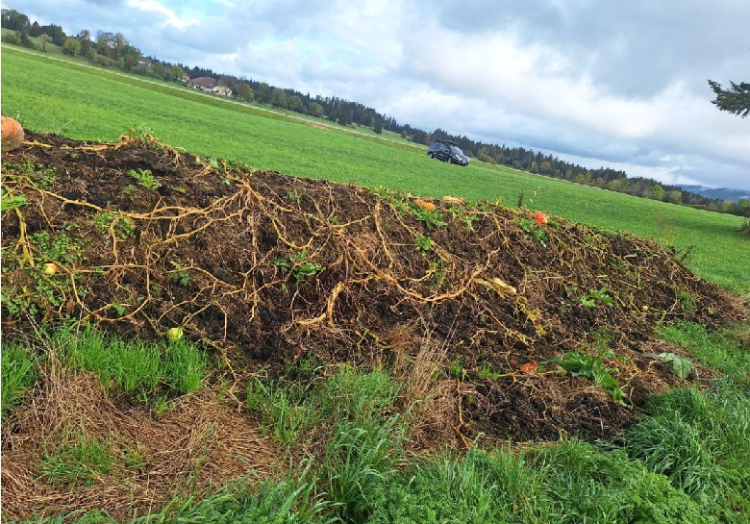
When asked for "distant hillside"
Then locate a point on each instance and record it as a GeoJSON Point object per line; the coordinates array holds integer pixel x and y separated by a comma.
{"type": "Point", "coordinates": [722, 193]}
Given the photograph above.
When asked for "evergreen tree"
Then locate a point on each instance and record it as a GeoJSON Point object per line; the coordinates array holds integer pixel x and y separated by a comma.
{"type": "Point", "coordinates": [735, 100]}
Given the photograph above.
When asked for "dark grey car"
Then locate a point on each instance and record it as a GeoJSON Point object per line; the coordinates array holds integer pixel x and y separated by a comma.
{"type": "Point", "coordinates": [447, 151]}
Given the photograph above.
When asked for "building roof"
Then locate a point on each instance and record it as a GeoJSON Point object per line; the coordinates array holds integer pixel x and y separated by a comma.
{"type": "Point", "coordinates": [204, 81]}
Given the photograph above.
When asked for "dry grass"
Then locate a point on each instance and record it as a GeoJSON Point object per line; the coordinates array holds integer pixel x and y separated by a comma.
{"type": "Point", "coordinates": [197, 446]}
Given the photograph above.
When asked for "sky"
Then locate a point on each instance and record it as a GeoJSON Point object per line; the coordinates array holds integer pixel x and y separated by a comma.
{"type": "Point", "coordinates": [618, 84]}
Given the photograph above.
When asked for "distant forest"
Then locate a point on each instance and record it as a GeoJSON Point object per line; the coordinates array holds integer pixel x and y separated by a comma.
{"type": "Point", "coordinates": [115, 51]}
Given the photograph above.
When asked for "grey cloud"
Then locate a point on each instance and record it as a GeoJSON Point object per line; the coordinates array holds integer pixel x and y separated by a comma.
{"type": "Point", "coordinates": [634, 48]}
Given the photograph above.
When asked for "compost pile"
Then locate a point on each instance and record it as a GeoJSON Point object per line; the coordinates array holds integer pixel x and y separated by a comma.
{"type": "Point", "coordinates": [468, 304]}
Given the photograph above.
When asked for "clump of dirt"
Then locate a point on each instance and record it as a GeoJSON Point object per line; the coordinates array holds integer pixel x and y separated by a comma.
{"type": "Point", "coordinates": [269, 269]}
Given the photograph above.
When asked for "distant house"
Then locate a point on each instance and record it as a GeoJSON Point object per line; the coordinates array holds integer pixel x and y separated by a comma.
{"type": "Point", "coordinates": [210, 85]}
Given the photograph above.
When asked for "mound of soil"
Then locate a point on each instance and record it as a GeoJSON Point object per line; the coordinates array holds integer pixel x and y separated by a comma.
{"type": "Point", "coordinates": [467, 303]}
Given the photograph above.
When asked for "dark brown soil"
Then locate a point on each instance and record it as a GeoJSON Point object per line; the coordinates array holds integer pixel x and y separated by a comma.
{"type": "Point", "coordinates": [268, 269]}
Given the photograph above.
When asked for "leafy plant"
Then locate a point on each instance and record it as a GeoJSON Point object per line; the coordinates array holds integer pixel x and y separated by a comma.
{"type": "Point", "coordinates": [532, 228]}
{"type": "Point", "coordinates": [145, 178]}
{"type": "Point", "coordinates": [579, 365]}
{"type": "Point", "coordinates": [423, 244]}
{"type": "Point", "coordinates": [682, 366]}
{"type": "Point", "coordinates": [179, 275]}
{"type": "Point", "coordinates": [431, 218]}
{"type": "Point", "coordinates": [298, 266]}
{"type": "Point", "coordinates": [596, 297]}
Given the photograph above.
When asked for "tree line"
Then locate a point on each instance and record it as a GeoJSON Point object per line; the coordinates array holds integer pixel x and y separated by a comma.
{"type": "Point", "coordinates": [114, 50]}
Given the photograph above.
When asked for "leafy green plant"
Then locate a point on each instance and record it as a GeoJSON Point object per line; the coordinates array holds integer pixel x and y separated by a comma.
{"type": "Point", "coordinates": [593, 368]}
{"type": "Point", "coordinates": [423, 244]}
{"type": "Point", "coordinates": [682, 366]}
{"type": "Point", "coordinates": [431, 218]}
{"type": "Point", "coordinates": [179, 275]}
{"type": "Point", "coordinates": [121, 226]}
{"type": "Point", "coordinates": [597, 297]}
{"type": "Point", "coordinates": [532, 228]}
{"type": "Point", "coordinates": [145, 178]}
{"type": "Point", "coordinates": [298, 266]}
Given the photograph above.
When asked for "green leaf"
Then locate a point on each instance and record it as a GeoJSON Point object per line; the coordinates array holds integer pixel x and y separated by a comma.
{"type": "Point", "coordinates": [682, 366]}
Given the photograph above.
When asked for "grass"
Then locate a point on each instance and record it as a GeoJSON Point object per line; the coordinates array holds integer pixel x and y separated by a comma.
{"type": "Point", "coordinates": [78, 460]}
{"type": "Point", "coordinates": [18, 374]}
{"type": "Point", "coordinates": [688, 461]}
{"type": "Point", "coordinates": [83, 102]}
{"type": "Point", "coordinates": [144, 371]}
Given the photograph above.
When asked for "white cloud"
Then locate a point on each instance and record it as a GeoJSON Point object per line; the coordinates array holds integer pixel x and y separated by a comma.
{"type": "Point", "coordinates": [170, 17]}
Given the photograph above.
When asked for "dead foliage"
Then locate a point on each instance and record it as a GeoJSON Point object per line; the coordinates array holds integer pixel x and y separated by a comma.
{"type": "Point", "coordinates": [200, 445]}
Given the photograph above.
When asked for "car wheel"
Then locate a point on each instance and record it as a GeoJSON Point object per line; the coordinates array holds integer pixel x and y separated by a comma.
{"type": "Point", "coordinates": [430, 155]}
{"type": "Point", "coordinates": [450, 160]}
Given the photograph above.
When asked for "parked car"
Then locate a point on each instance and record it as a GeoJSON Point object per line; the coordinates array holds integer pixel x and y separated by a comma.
{"type": "Point", "coordinates": [447, 151]}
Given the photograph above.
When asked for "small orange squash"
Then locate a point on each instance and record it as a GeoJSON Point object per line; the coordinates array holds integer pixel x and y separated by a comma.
{"type": "Point", "coordinates": [12, 134]}
{"type": "Point", "coordinates": [427, 205]}
{"type": "Point", "coordinates": [541, 218]}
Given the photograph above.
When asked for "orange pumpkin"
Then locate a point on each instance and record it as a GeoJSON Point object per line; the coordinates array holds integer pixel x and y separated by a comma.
{"type": "Point", "coordinates": [12, 134]}
{"type": "Point", "coordinates": [427, 205]}
{"type": "Point", "coordinates": [540, 217]}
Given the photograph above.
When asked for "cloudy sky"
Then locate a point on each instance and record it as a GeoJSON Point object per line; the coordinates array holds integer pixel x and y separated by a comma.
{"type": "Point", "coordinates": [600, 83]}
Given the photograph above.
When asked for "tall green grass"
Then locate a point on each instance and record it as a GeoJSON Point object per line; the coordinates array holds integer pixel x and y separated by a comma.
{"type": "Point", "coordinates": [140, 369]}
{"type": "Point", "coordinates": [87, 103]}
{"type": "Point", "coordinates": [18, 375]}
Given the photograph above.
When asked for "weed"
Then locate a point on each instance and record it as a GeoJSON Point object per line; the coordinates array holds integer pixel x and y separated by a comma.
{"type": "Point", "coordinates": [590, 485]}
{"type": "Point", "coordinates": [686, 300]}
{"type": "Point", "coordinates": [179, 275]}
{"type": "Point", "coordinates": [10, 201]}
{"type": "Point", "coordinates": [478, 488]}
{"type": "Point", "coordinates": [671, 446]}
{"type": "Point", "coordinates": [59, 248]}
{"type": "Point", "coordinates": [145, 178]}
{"type": "Point", "coordinates": [298, 266]}
{"type": "Point", "coordinates": [294, 197]}
{"type": "Point", "coordinates": [184, 366]}
{"type": "Point", "coordinates": [592, 368]}
{"type": "Point", "coordinates": [280, 409]}
{"type": "Point", "coordinates": [119, 309]}
{"type": "Point", "coordinates": [120, 226]}
{"type": "Point", "coordinates": [597, 297]}
{"type": "Point", "coordinates": [486, 372]}
{"type": "Point", "coordinates": [423, 244]}
{"type": "Point", "coordinates": [431, 218]}
{"type": "Point", "coordinates": [682, 366]}
{"type": "Point", "coordinates": [141, 370]}
{"type": "Point", "coordinates": [456, 368]}
{"type": "Point", "coordinates": [532, 228]}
